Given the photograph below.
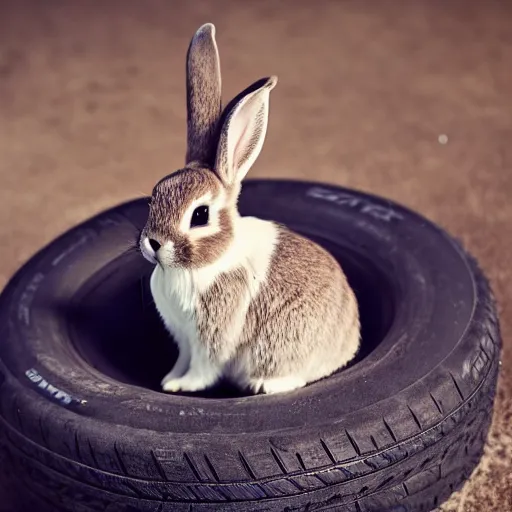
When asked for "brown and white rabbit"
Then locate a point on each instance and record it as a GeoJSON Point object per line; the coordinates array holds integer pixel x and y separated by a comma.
{"type": "Point", "coordinates": [244, 298]}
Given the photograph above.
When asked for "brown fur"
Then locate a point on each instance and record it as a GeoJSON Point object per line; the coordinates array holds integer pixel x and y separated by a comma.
{"type": "Point", "coordinates": [297, 291]}
{"type": "Point", "coordinates": [209, 249]}
{"type": "Point", "coordinates": [216, 309]}
{"type": "Point", "coordinates": [203, 96]}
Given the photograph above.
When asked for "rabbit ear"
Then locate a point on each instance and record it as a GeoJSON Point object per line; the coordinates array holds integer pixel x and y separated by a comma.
{"type": "Point", "coordinates": [243, 131]}
{"type": "Point", "coordinates": [203, 95]}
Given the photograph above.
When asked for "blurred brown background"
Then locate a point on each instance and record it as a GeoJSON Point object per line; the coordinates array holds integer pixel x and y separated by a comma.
{"type": "Point", "coordinates": [92, 113]}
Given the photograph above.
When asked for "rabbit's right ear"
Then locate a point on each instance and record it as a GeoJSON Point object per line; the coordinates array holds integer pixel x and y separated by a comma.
{"type": "Point", "coordinates": [243, 131]}
{"type": "Point", "coordinates": [203, 96]}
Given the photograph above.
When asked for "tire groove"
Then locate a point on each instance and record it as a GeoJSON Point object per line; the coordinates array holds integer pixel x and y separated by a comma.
{"type": "Point", "coordinates": [211, 467]}
{"type": "Point", "coordinates": [293, 482]}
{"type": "Point", "coordinates": [446, 450]}
{"type": "Point", "coordinates": [492, 338]}
{"type": "Point", "coordinates": [301, 462]}
{"type": "Point", "coordinates": [194, 492]}
{"type": "Point", "coordinates": [18, 415]}
{"type": "Point", "coordinates": [279, 461]}
{"type": "Point", "coordinates": [158, 466]}
{"type": "Point", "coordinates": [328, 451]}
{"type": "Point", "coordinates": [390, 430]}
{"type": "Point", "coordinates": [223, 494]}
{"type": "Point", "coordinates": [246, 466]}
{"type": "Point", "coordinates": [77, 448]}
{"type": "Point", "coordinates": [318, 477]}
{"type": "Point", "coordinates": [353, 443]}
{"type": "Point", "coordinates": [415, 418]}
{"type": "Point", "coordinates": [473, 366]}
{"type": "Point", "coordinates": [384, 483]}
{"type": "Point", "coordinates": [425, 462]}
{"type": "Point", "coordinates": [457, 386]}
{"type": "Point", "coordinates": [43, 434]}
{"type": "Point", "coordinates": [192, 467]}
{"type": "Point", "coordinates": [483, 348]}
{"type": "Point", "coordinates": [120, 460]}
{"type": "Point", "coordinates": [93, 455]}
{"type": "Point", "coordinates": [436, 403]}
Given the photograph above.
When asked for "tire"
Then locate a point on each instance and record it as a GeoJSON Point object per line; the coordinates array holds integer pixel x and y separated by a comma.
{"type": "Point", "coordinates": [84, 428]}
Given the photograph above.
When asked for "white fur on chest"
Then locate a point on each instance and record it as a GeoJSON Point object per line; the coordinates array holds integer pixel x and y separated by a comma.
{"type": "Point", "coordinates": [175, 296]}
{"type": "Point", "coordinates": [177, 292]}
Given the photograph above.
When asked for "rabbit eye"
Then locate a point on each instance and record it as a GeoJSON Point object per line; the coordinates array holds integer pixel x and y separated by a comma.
{"type": "Point", "coordinates": [199, 217]}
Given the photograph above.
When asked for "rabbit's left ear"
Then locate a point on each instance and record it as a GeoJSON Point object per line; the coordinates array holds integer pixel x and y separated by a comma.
{"type": "Point", "coordinates": [243, 131]}
{"type": "Point", "coordinates": [203, 96]}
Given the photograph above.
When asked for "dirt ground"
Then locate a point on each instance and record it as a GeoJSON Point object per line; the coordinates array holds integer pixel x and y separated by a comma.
{"type": "Point", "coordinates": [409, 100]}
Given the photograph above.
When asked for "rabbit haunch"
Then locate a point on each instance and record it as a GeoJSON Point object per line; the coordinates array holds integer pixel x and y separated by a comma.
{"type": "Point", "coordinates": [244, 298]}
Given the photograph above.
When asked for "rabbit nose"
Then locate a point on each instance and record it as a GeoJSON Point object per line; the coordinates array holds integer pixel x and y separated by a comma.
{"type": "Point", "coordinates": [154, 244]}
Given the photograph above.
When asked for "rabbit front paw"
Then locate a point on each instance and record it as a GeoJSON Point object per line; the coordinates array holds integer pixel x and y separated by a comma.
{"type": "Point", "coordinates": [201, 373]}
{"type": "Point", "coordinates": [190, 382]}
{"type": "Point", "coordinates": [184, 383]}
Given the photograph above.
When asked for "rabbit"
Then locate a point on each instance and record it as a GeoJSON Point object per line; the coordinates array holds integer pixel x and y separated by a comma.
{"type": "Point", "coordinates": [245, 299]}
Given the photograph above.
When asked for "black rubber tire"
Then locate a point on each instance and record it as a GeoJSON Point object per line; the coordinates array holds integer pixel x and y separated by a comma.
{"type": "Point", "coordinates": [84, 429]}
